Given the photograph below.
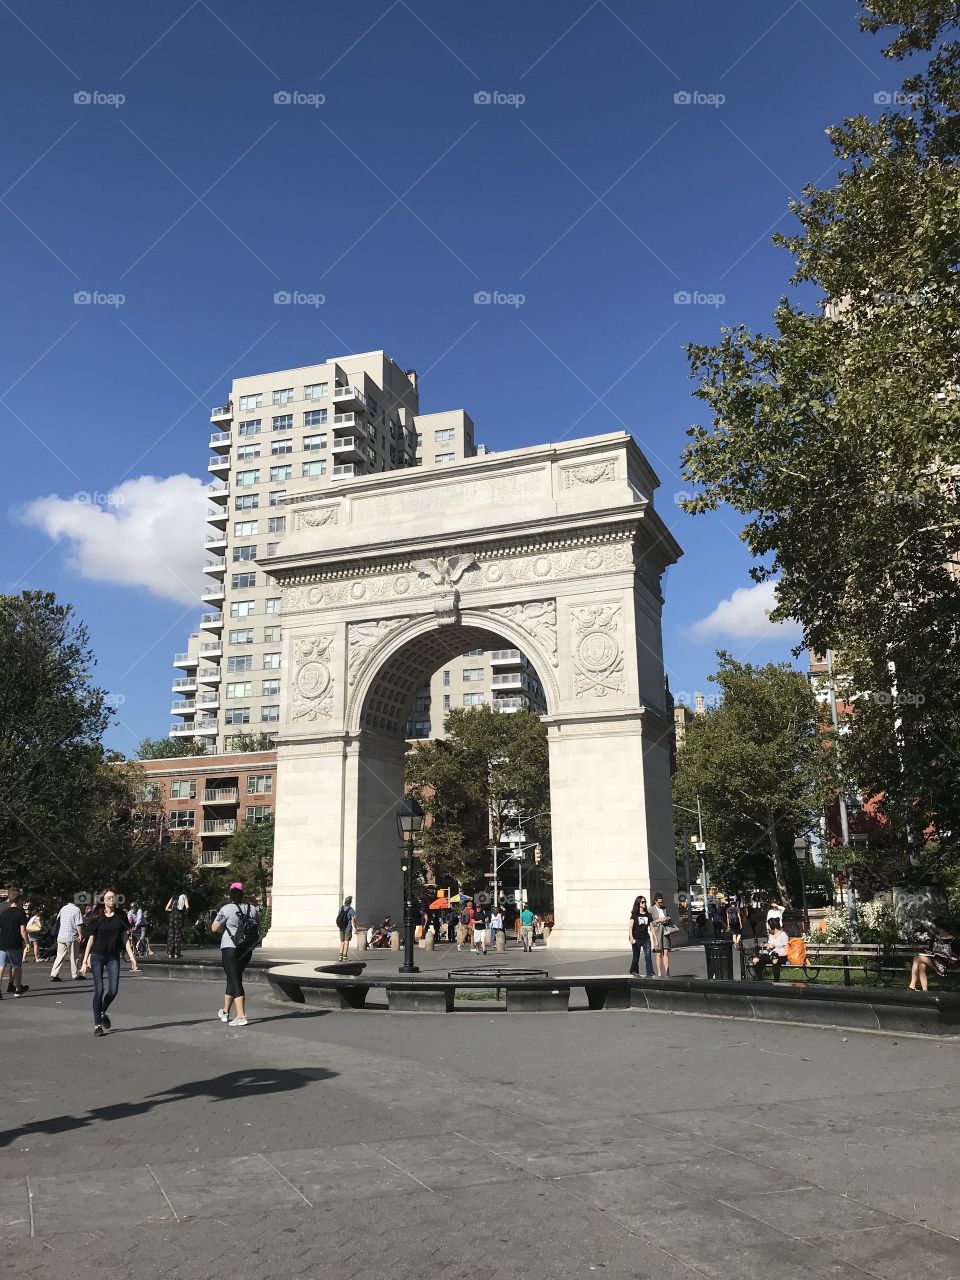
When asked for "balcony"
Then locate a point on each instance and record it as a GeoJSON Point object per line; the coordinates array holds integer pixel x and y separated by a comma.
{"type": "Point", "coordinates": [214, 567]}
{"type": "Point", "coordinates": [513, 680]}
{"type": "Point", "coordinates": [211, 622]}
{"type": "Point", "coordinates": [221, 440]}
{"type": "Point", "coordinates": [511, 704]}
{"type": "Point", "coordinates": [212, 858]}
{"type": "Point", "coordinates": [216, 542]}
{"type": "Point", "coordinates": [218, 492]}
{"type": "Point", "coordinates": [346, 470]}
{"type": "Point", "coordinates": [185, 708]}
{"type": "Point", "coordinates": [349, 396]}
{"type": "Point", "coordinates": [222, 413]}
{"type": "Point", "coordinates": [348, 447]}
{"type": "Point", "coordinates": [193, 729]}
{"type": "Point", "coordinates": [508, 657]}
{"type": "Point", "coordinates": [218, 826]}
{"type": "Point", "coordinates": [219, 466]}
{"type": "Point", "coordinates": [348, 422]}
{"type": "Point", "coordinates": [208, 701]}
{"type": "Point", "coordinates": [210, 595]}
{"type": "Point", "coordinates": [210, 650]}
{"type": "Point", "coordinates": [185, 684]}
{"type": "Point", "coordinates": [185, 660]}
{"type": "Point", "coordinates": [221, 795]}
{"type": "Point", "coordinates": [218, 517]}
{"type": "Point", "coordinates": [208, 675]}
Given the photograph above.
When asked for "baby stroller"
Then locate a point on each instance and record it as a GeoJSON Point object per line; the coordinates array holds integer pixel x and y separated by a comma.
{"type": "Point", "coordinates": [47, 942]}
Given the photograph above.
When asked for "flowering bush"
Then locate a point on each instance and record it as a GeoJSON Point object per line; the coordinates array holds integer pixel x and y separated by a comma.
{"type": "Point", "coordinates": [833, 931]}
{"type": "Point", "coordinates": [878, 922]}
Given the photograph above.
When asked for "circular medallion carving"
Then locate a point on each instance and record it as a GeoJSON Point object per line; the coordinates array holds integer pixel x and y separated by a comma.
{"type": "Point", "coordinates": [358, 590]}
{"type": "Point", "coordinates": [494, 573]}
{"type": "Point", "coordinates": [402, 586]}
{"type": "Point", "coordinates": [542, 566]}
{"type": "Point", "coordinates": [316, 595]}
{"type": "Point", "coordinates": [597, 652]}
{"type": "Point", "coordinates": [593, 559]}
{"type": "Point", "coordinates": [313, 680]}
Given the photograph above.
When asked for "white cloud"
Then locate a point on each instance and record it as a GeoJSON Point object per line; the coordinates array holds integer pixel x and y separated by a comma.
{"type": "Point", "coordinates": [147, 532]}
{"type": "Point", "coordinates": [744, 616]}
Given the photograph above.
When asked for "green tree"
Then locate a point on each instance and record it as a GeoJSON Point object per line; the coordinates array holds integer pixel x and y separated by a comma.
{"type": "Point", "coordinates": [758, 765]}
{"type": "Point", "coordinates": [170, 748]}
{"type": "Point", "coordinates": [251, 742]}
{"type": "Point", "coordinates": [474, 782]}
{"type": "Point", "coordinates": [251, 856]}
{"type": "Point", "coordinates": [837, 436]}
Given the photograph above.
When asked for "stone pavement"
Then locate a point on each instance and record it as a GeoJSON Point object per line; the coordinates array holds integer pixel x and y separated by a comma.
{"type": "Point", "coordinates": [314, 1145]}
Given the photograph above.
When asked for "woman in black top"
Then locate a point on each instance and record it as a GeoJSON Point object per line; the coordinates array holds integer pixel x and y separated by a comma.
{"type": "Point", "coordinates": [639, 937]}
{"type": "Point", "coordinates": [107, 931]}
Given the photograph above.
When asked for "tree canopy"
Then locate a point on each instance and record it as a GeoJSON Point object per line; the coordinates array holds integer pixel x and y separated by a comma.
{"type": "Point", "coordinates": [170, 748]}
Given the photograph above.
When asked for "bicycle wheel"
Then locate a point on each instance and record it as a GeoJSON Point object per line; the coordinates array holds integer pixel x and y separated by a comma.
{"type": "Point", "coordinates": [810, 972]}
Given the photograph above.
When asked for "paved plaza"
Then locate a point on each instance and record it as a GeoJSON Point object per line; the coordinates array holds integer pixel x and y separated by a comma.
{"type": "Point", "coordinates": [374, 1145]}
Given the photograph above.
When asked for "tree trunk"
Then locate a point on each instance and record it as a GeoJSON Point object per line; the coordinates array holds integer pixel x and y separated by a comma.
{"type": "Point", "coordinates": [775, 855]}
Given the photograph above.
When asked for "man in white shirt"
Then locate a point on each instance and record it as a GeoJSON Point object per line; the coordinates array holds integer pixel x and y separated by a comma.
{"type": "Point", "coordinates": [68, 935]}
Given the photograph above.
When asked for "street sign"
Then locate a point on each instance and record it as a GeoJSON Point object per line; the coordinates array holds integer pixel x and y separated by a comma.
{"type": "Point", "coordinates": [488, 875]}
{"type": "Point", "coordinates": [700, 846]}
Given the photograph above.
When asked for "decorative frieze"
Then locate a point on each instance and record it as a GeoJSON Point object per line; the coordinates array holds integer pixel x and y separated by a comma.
{"type": "Point", "coordinates": [312, 678]}
{"type": "Point", "coordinates": [316, 517]}
{"type": "Point", "coordinates": [538, 618]}
{"type": "Point", "coordinates": [596, 649]}
{"type": "Point", "coordinates": [363, 638]}
{"type": "Point", "coordinates": [589, 474]}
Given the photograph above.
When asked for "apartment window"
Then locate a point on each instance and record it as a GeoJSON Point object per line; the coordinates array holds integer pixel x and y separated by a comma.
{"type": "Point", "coordinates": [315, 418]}
{"type": "Point", "coordinates": [270, 714]}
{"type": "Point", "coordinates": [248, 477]}
{"type": "Point", "coordinates": [444, 435]}
{"type": "Point", "coordinates": [270, 689]}
{"type": "Point", "coordinates": [283, 422]}
{"type": "Point", "coordinates": [182, 819]}
{"type": "Point", "coordinates": [446, 677]}
{"type": "Point", "coordinates": [245, 609]}
{"type": "Point", "coordinates": [443, 457]}
{"type": "Point", "coordinates": [242, 663]}
{"type": "Point", "coordinates": [245, 553]}
{"type": "Point", "coordinates": [474, 653]}
{"type": "Point", "coordinates": [272, 605]}
{"type": "Point", "coordinates": [313, 469]}
{"type": "Point", "coordinates": [240, 689]}
{"type": "Point", "coordinates": [247, 452]}
{"type": "Point", "coordinates": [237, 715]}
{"type": "Point", "coordinates": [271, 635]}
{"type": "Point", "coordinates": [249, 403]}
{"type": "Point", "coordinates": [419, 439]}
{"type": "Point", "coordinates": [277, 496]}
{"type": "Point", "coordinates": [242, 581]}
{"type": "Point", "coordinates": [277, 524]}
{"type": "Point", "coordinates": [281, 473]}
{"type": "Point", "coordinates": [246, 502]}
{"type": "Point", "coordinates": [311, 443]}
{"type": "Point", "coordinates": [271, 661]}
{"type": "Point", "coordinates": [281, 446]}
{"type": "Point", "coordinates": [243, 636]}
{"type": "Point", "coordinates": [469, 700]}
{"type": "Point", "coordinates": [316, 391]}
{"type": "Point", "coordinates": [244, 529]}
{"type": "Point", "coordinates": [272, 548]}
{"type": "Point", "coordinates": [472, 673]}
{"type": "Point", "coordinates": [259, 784]}
{"type": "Point", "coordinates": [283, 396]}
{"type": "Point", "coordinates": [446, 702]}
{"type": "Point", "coordinates": [250, 428]}
{"type": "Point", "coordinates": [183, 789]}
{"type": "Point", "coordinates": [258, 813]}
{"type": "Point", "coordinates": [418, 729]}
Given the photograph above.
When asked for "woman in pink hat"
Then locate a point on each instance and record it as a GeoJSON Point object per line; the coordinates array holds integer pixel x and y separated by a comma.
{"type": "Point", "coordinates": [239, 922]}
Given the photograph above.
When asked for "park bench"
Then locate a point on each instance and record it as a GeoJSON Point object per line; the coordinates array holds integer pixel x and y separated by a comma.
{"type": "Point", "coordinates": [880, 965]}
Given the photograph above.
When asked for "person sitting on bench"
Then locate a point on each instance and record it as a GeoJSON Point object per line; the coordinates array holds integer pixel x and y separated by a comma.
{"type": "Point", "coordinates": [941, 957]}
{"type": "Point", "coordinates": [776, 952]}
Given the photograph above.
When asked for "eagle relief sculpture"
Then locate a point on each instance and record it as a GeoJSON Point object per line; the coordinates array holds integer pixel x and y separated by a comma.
{"type": "Point", "coordinates": [445, 572]}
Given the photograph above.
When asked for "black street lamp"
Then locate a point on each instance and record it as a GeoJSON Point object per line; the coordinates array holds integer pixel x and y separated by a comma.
{"type": "Point", "coordinates": [409, 823]}
{"type": "Point", "coordinates": [802, 849]}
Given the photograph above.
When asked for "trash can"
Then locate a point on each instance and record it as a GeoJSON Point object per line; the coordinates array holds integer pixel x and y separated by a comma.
{"type": "Point", "coordinates": [718, 953]}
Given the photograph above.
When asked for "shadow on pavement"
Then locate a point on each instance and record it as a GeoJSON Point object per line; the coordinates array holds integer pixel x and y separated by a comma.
{"type": "Point", "coordinates": [252, 1083]}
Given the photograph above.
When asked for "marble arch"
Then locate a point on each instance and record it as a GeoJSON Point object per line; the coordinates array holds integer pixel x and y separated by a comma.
{"type": "Point", "coordinates": [556, 550]}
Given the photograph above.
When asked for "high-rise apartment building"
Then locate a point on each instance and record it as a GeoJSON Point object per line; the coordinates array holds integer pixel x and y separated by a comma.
{"type": "Point", "coordinates": [321, 424]}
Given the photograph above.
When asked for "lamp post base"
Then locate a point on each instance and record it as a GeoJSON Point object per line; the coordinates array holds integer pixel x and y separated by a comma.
{"type": "Point", "coordinates": [408, 968]}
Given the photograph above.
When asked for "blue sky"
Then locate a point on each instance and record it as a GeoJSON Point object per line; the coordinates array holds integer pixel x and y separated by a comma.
{"type": "Point", "coordinates": [598, 197]}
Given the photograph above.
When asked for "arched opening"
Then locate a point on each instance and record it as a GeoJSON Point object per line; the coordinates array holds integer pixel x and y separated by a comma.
{"type": "Point", "coordinates": [380, 711]}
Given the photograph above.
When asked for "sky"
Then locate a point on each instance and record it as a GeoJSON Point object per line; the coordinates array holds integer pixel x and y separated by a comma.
{"type": "Point", "coordinates": [609, 171]}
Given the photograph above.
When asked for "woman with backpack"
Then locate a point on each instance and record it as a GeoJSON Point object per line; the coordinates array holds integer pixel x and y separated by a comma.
{"type": "Point", "coordinates": [178, 906]}
{"type": "Point", "coordinates": [239, 922]}
{"type": "Point", "coordinates": [345, 921]}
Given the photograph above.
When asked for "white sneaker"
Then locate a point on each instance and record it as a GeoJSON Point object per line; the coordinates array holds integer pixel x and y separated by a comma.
{"type": "Point", "coordinates": [238, 1022]}
{"type": "Point", "coordinates": [221, 1015]}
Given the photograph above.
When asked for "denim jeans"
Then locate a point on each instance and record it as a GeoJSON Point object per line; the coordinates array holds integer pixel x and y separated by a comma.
{"type": "Point", "coordinates": [101, 966]}
{"type": "Point", "coordinates": [643, 946]}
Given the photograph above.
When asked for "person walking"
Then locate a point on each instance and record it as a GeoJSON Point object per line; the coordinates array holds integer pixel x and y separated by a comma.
{"type": "Point", "coordinates": [661, 925]}
{"type": "Point", "coordinates": [108, 936]}
{"type": "Point", "coordinates": [239, 922]}
{"type": "Point", "coordinates": [177, 907]}
{"type": "Point", "coordinates": [527, 917]}
{"type": "Point", "coordinates": [734, 923]}
{"type": "Point", "coordinates": [13, 941]}
{"type": "Point", "coordinates": [496, 926]}
{"type": "Point", "coordinates": [345, 921]}
{"type": "Point", "coordinates": [463, 928]}
{"type": "Point", "coordinates": [639, 937]}
{"type": "Point", "coordinates": [479, 931]}
{"type": "Point", "coordinates": [34, 931]}
{"type": "Point", "coordinates": [69, 934]}
{"type": "Point", "coordinates": [452, 921]}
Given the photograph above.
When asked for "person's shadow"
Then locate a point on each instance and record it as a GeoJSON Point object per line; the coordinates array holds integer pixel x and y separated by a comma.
{"type": "Point", "coordinates": [255, 1083]}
